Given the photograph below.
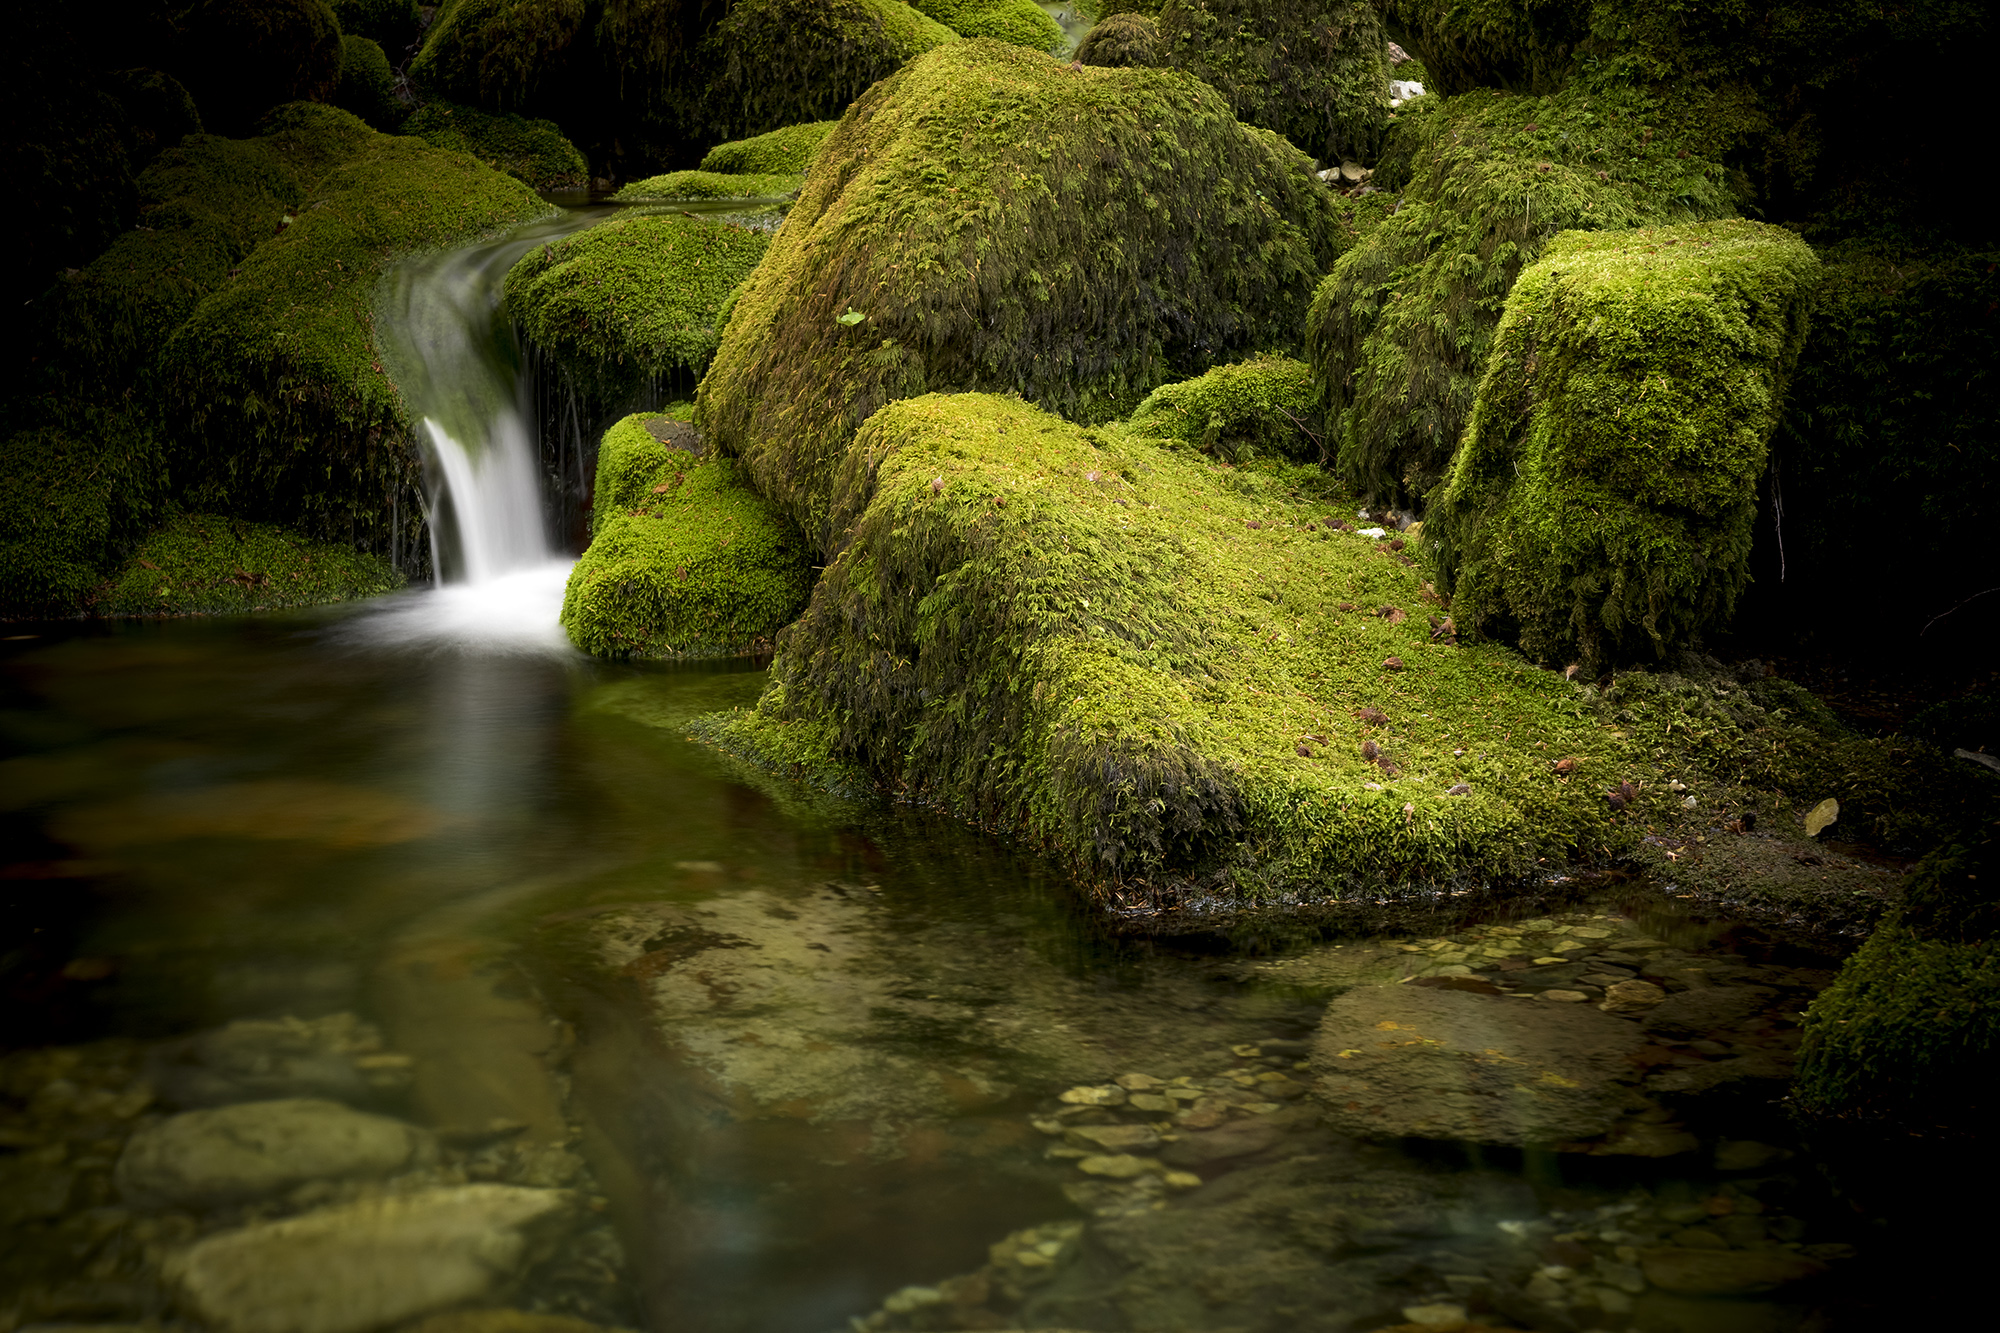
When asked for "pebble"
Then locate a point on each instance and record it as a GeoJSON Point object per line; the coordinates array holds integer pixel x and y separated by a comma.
{"type": "Point", "coordinates": [1113, 1138]}
{"type": "Point", "coordinates": [1563, 996]}
{"type": "Point", "coordinates": [1116, 1166]}
{"type": "Point", "coordinates": [1437, 1315]}
{"type": "Point", "coordinates": [1631, 997]}
{"type": "Point", "coordinates": [1108, 1094]}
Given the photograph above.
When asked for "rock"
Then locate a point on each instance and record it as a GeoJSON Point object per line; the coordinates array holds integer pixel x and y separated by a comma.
{"type": "Point", "coordinates": [1707, 1010]}
{"type": "Point", "coordinates": [502, 1321]}
{"type": "Point", "coordinates": [365, 1265]}
{"type": "Point", "coordinates": [1763, 1075]}
{"type": "Point", "coordinates": [1110, 1094]}
{"type": "Point", "coordinates": [258, 1148]}
{"type": "Point", "coordinates": [1148, 1101]}
{"type": "Point", "coordinates": [1746, 1155]}
{"type": "Point", "coordinates": [1400, 1060]}
{"type": "Point", "coordinates": [1690, 1272]}
{"type": "Point", "coordinates": [32, 1188]}
{"type": "Point", "coordinates": [254, 1059]}
{"type": "Point", "coordinates": [1435, 1316]}
{"type": "Point", "coordinates": [1241, 1138]}
{"type": "Point", "coordinates": [1563, 996]}
{"type": "Point", "coordinates": [1139, 1082]}
{"type": "Point", "coordinates": [1113, 1138]}
{"type": "Point", "coordinates": [1631, 997]}
{"type": "Point", "coordinates": [1118, 1166]}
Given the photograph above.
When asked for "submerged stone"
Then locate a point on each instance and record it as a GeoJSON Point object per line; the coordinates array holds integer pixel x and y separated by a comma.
{"type": "Point", "coordinates": [199, 1158]}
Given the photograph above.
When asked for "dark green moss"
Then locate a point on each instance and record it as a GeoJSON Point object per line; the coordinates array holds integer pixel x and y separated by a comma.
{"type": "Point", "coordinates": [242, 57]}
{"type": "Point", "coordinates": [1315, 71]}
{"type": "Point", "coordinates": [1263, 407]}
{"type": "Point", "coordinates": [68, 497]}
{"type": "Point", "coordinates": [1016, 22]}
{"type": "Point", "coordinates": [685, 559]}
{"type": "Point", "coordinates": [210, 564]}
{"type": "Point", "coordinates": [779, 153]}
{"type": "Point", "coordinates": [779, 62]}
{"type": "Point", "coordinates": [711, 185]}
{"type": "Point", "coordinates": [159, 112]}
{"type": "Point", "coordinates": [960, 230]}
{"type": "Point", "coordinates": [1600, 509]}
{"type": "Point", "coordinates": [392, 23]}
{"type": "Point", "coordinates": [1123, 41]}
{"type": "Point", "coordinates": [367, 84]}
{"type": "Point", "coordinates": [532, 151]}
{"type": "Point", "coordinates": [1525, 46]}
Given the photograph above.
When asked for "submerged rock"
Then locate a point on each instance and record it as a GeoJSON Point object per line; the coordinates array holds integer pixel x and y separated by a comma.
{"type": "Point", "coordinates": [200, 1158]}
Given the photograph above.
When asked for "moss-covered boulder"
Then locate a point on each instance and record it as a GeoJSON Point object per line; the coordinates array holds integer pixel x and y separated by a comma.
{"type": "Point", "coordinates": [1526, 46]}
{"type": "Point", "coordinates": [711, 185]}
{"type": "Point", "coordinates": [367, 84]}
{"type": "Point", "coordinates": [531, 151]}
{"type": "Point", "coordinates": [159, 112]}
{"type": "Point", "coordinates": [1262, 407]}
{"type": "Point", "coordinates": [1315, 71]}
{"type": "Point", "coordinates": [685, 560]}
{"type": "Point", "coordinates": [1601, 506]}
{"type": "Point", "coordinates": [782, 152]}
{"type": "Point", "coordinates": [1123, 41]}
{"type": "Point", "coordinates": [989, 218]}
{"type": "Point", "coordinates": [392, 23]}
{"type": "Point", "coordinates": [780, 62]}
{"type": "Point", "coordinates": [1016, 22]}
{"type": "Point", "coordinates": [68, 496]}
{"type": "Point", "coordinates": [211, 564]}
{"type": "Point", "coordinates": [1400, 330]}
{"type": "Point", "coordinates": [240, 58]}
{"type": "Point", "coordinates": [633, 300]}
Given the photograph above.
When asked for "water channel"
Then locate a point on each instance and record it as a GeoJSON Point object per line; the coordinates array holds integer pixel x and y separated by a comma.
{"type": "Point", "coordinates": [801, 1064]}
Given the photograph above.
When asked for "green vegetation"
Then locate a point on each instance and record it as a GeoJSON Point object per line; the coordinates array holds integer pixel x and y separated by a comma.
{"type": "Point", "coordinates": [1259, 408]}
{"type": "Point", "coordinates": [209, 564]}
{"type": "Point", "coordinates": [1315, 71]}
{"type": "Point", "coordinates": [711, 185]}
{"type": "Point", "coordinates": [531, 151]}
{"type": "Point", "coordinates": [159, 112]}
{"type": "Point", "coordinates": [1601, 506]}
{"type": "Point", "coordinates": [685, 559]}
{"type": "Point", "coordinates": [958, 232]}
{"type": "Point", "coordinates": [632, 299]}
{"type": "Point", "coordinates": [67, 497]}
{"type": "Point", "coordinates": [779, 62]}
{"type": "Point", "coordinates": [1123, 41]}
{"type": "Point", "coordinates": [367, 84]}
{"type": "Point", "coordinates": [243, 57]}
{"type": "Point", "coordinates": [1525, 46]}
{"type": "Point", "coordinates": [392, 23]}
{"type": "Point", "coordinates": [1016, 22]}
{"type": "Point", "coordinates": [779, 153]}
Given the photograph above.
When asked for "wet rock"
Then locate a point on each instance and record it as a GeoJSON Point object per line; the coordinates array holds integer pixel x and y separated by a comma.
{"type": "Point", "coordinates": [1720, 1272]}
{"type": "Point", "coordinates": [502, 1321]}
{"type": "Point", "coordinates": [366, 1265]}
{"type": "Point", "coordinates": [1711, 1009]}
{"type": "Point", "coordinates": [1113, 1138]}
{"type": "Point", "coordinates": [32, 1187]}
{"type": "Point", "coordinates": [1760, 1076]}
{"type": "Point", "coordinates": [1241, 1138]}
{"type": "Point", "coordinates": [1110, 1094]}
{"type": "Point", "coordinates": [1747, 1155]}
{"type": "Point", "coordinates": [1398, 1060]}
{"type": "Point", "coordinates": [1116, 1166]}
{"type": "Point", "coordinates": [258, 1148]}
{"type": "Point", "coordinates": [1631, 997]}
{"type": "Point", "coordinates": [337, 1057]}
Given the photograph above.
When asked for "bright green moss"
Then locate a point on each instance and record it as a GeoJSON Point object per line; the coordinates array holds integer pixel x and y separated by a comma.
{"type": "Point", "coordinates": [1123, 41]}
{"type": "Point", "coordinates": [711, 185]}
{"type": "Point", "coordinates": [779, 153]}
{"type": "Point", "coordinates": [1315, 71]}
{"type": "Point", "coordinates": [209, 564]}
{"type": "Point", "coordinates": [1400, 331]}
{"type": "Point", "coordinates": [959, 231]}
{"type": "Point", "coordinates": [531, 151]}
{"type": "Point", "coordinates": [1259, 408]}
{"type": "Point", "coordinates": [1601, 506]}
{"type": "Point", "coordinates": [632, 299]}
{"type": "Point", "coordinates": [67, 496]}
{"type": "Point", "coordinates": [780, 62]}
{"type": "Point", "coordinates": [1016, 22]}
{"type": "Point", "coordinates": [685, 559]}
{"type": "Point", "coordinates": [367, 84]}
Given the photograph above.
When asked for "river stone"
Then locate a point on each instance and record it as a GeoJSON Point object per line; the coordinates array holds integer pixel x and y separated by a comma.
{"type": "Point", "coordinates": [1113, 1138]}
{"type": "Point", "coordinates": [1399, 1060]}
{"type": "Point", "coordinates": [1726, 1272]}
{"type": "Point", "coordinates": [1698, 1013]}
{"type": "Point", "coordinates": [258, 1148]}
{"type": "Point", "coordinates": [1240, 1138]}
{"type": "Point", "coordinates": [503, 1321]}
{"type": "Point", "coordinates": [364, 1265]}
{"type": "Point", "coordinates": [1631, 997]}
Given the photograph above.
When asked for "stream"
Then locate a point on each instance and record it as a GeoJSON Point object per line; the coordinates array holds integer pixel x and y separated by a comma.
{"type": "Point", "coordinates": [736, 1055]}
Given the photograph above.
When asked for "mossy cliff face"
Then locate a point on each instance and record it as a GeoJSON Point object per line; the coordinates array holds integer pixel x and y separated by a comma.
{"type": "Point", "coordinates": [1400, 331]}
{"type": "Point", "coordinates": [1315, 71]}
{"type": "Point", "coordinates": [1264, 407]}
{"type": "Point", "coordinates": [989, 218]}
{"type": "Point", "coordinates": [782, 152]}
{"type": "Point", "coordinates": [1601, 506]}
{"type": "Point", "coordinates": [533, 152]}
{"type": "Point", "coordinates": [685, 559]}
{"type": "Point", "coordinates": [1016, 22]}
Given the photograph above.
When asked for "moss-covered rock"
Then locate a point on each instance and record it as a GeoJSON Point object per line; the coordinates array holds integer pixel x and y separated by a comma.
{"type": "Point", "coordinates": [632, 300]}
{"type": "Point", "coordinates": [392, 23]}
{"type": "Point", "coordinates": [779, 62]}
{"type": "Point", "coordinates": [159, 112]}
{"type": "Point", "coordinates": [782, 152]}
{"type": "Point", "coordinates": [1262, 407]}
{"type": "Point", "coordinates": [711, 185]}
{"type": "Point", "coordinates": [367, 84]}
{"type": "Point", "coordinates": [1401, 329]}
{"type": "Point", "coordinates": [67, 497]}
{"type": "Point", "coordinates": [1315, 71]}
{"type": "Point", "coordinates": [1526, 46]}
{"type": "Point", "coordinates": [990, 218]}
{"type": "Point", "coordinates": [211, 564]}
{"type": "Point", "coordinates": [1123, 41]}
{"type": "Point", "coordinates": [685, 559]}
{"type": "Point", "coordinates": [242, 57]}
{"type": "Point", "coordinates": [1602, 503]}
{"type": "Point", "coordinates": [1016, 22]}
{"type": "Point", "coordinates": [531, 151]}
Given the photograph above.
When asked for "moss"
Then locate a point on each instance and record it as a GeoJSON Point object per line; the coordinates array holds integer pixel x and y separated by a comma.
{"type": "Point", "coordinates": [685, 559]}
{"type": "Point", "coordinates": [159, 112]}
{"type": "Point", "coordinates": [633, 299]}
{"type": "Point", "coordinates": [1016, 22]}
{"type": "Point", "coordinates": [1123, 41]}
{"type": "Point", "coordinates": [367, 84]}
{"type": "Point", "coordinates": [711, 185]}
{"type": "Point", "coordinates": [496, 54]}
{"type": "Point", "coordinates": [532, 151]}
{"type": "Point", "coordinates": [64, 152]}
{"type": "Point", "coordinates": [779, 62]}
{"type": "Point", "coordinates": [1601, 506]}
{"type": "Point", "coordinates": [279, 408]}
{"type": "Point", "coordinates": [1262, 407]}
{"type": "Point", "coordinates": [1525, 46]}
{"type": "Point", "coordinates": [68, 496]}
{"type": "Point", "coordinates": [960, 230]}
{"type": "Point", "coordinates": [1400, 331]}
{"type": "Point", "coordinates": [778, 153]}
{"type": "Point", "coordinates": [392, 23]}
{"type": "Point", "coordinates": [243, 57]}
{"type": "Point", "coordinates": [210, 564]}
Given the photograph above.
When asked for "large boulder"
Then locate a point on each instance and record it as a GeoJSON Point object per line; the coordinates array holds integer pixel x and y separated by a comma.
{"type": "Point", "coordinates": [240, 58]}
{"type": "Point", "coordinates": [1600, 508]}
{"type": "Point", "coordinates": [202, 1158]}
{"type": "Point", "coordinates": [778, 152]}
{"type": "Point", "coordinates": [1123, 41]}
{"type": "Point", "coordinates": [533, 152]}
{"type": "Point", "coordinates": [779, 62]}
{"type": "Point", "coordinates": [1018, 22]}
{"type": "Point", "coordinates": [367, 84]}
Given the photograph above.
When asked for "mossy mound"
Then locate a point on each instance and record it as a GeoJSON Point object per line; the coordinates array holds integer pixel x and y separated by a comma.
{"type": "Point", "coordinates": [367, 84]}
{"type": "Point", "coordinates": [711, 185]}
{"type": "Point", "coordinates": [780, 62]}
{"type": "Point", "coordinates": [67, 497]}
{"type": "Point", "coordinates": [243, 57]}
{"type": "Point", "coordinates": [989, 218]}
{"type": "Point", "coordinates": [210, 564]}
{"type": "Point", "coordinates": [1016, 22]}
{"type": "Point", "coordinates": [1601, 506]}
{"type": "Point", "coordinates": [685, 559]}
{"type": "Point", "coordinates": [159, 112]}
{"type": "Point", "coordinates": [1315, 71]}
{"type": "Point", "coordinates": [1123, 41]}
{"type": "Point", "coordinates": [279, 408]}
{"type": "Point", "coordinates": [632, 299]}
{"type": "Point", "coordinates": [1526, 46]}
{"type": "Point", "coordinates": [531, 151]}
{"type": "Point", "coordinates": [392, 23]}
{"type": "Point", "coordinates": [1400, 331]}
{"type": "Point", "coordinates": [1265, 407]}
{"type": "Point", "coordinates": [782, 152]}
